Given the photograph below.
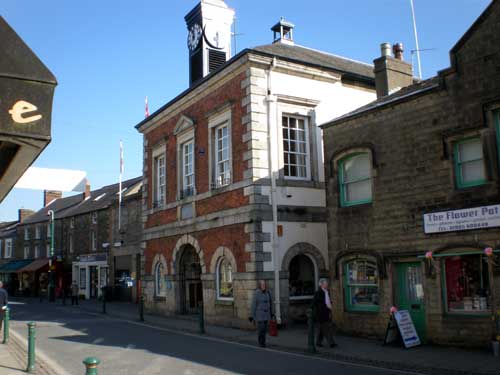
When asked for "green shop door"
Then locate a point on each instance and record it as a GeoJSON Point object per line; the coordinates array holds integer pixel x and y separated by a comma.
{"type": "Point", "coordinates": [410, 294]}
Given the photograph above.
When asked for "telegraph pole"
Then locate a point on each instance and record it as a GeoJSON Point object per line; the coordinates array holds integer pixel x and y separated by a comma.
{"type": "Point", "coordinates": [52, 276]}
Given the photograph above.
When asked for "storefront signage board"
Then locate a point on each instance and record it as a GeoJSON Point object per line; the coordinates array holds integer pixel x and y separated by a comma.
{"type": "Point", "coordinates": [461, 220]}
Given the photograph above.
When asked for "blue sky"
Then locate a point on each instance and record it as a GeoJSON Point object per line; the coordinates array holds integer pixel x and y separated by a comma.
{"type": "Point", "coordinates": [108, 55]}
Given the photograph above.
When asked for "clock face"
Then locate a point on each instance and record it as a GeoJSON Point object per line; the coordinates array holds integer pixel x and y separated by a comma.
{"type": "Point", "coordinates": [214, 37]}
{"type": "Point", "coordinates": [194, 36]}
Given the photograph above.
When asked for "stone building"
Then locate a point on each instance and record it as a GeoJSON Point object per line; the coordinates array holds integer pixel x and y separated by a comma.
{"type": "Point", "coordinates": [89, 246]}
{"type": "Point", "coordinates": [233, 172]}
{"type": "Point", "coordinates": [413, 196]}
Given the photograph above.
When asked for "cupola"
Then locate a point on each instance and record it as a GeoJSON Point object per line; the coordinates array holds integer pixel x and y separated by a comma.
{"type": "Point", "coordinates": [283, 32]}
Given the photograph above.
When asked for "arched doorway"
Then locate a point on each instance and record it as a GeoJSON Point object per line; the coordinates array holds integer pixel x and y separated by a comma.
{"type": "Point", "coordinates": [191, 290]}
{"type": "Point", "coordinates": [302, 277]}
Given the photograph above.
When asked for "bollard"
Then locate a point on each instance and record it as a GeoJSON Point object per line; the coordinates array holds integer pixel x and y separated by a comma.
{"type": "Point", "coordinates": [6, 319]}
{"type": "Point", "coordinates": [141, 308]}
{"type": "Point", "coordinates": [311, 346]}
{"type": "Point", "coordinates": [91, 364]}
{"type": "Point", "coordinates": [31, 347]}
{"type": "Point", "coordinates": [201, 318]}
{"type": "Point", "coordinates": [104, 300]}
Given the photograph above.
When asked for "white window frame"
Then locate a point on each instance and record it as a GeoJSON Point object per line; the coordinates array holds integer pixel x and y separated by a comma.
{"type": "Point", "coordinates": [71, 243]}
{"type": "Point", "coordinates": [7, 253]}
{"type": "Point", "coordinates": [37, 252]}
{"type": "Point", "coordinates": [47, 250]}
{"type": "Point", "coordinates": [184, 136]}
{"type": "Point", "coordinates": [217, 279]}
{"type": "Point", "coordinates": [93, 240]}
{"type": "Point", "coordinates": [184, 164]}
{"type": "Point", "coordinates": [215, 123]}
{"type": "Point", "coordinates": [48, 230]}
{"type": "Point", "coordinates": [307, 136]}
{"type": "Point", "coordinates": [26, 234]}
{"type": "Point", "coordinates": [94, 217]}
{"type": "Point", "coordinates": [72, 223]}
{"type": "Point", "coordinates": [157, 201]}
{"type": "Point", "coordinates": [38, 232]}
{"type": "Point", "coordinates": [26, 252]}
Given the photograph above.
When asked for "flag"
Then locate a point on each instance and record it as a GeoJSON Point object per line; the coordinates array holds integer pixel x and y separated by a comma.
{"type": "Point", "coordinates": [146, 113]}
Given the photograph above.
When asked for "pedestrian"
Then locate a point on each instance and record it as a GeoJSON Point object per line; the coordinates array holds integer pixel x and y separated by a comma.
{"type": "Point", "coordinates": [74, 293]}
{"type": "Point", "coordinates": [262, 311]}
{"type": "Point", "coordinates": [4, 299]}
{"type": "Point", "coordinates": [322, 307]}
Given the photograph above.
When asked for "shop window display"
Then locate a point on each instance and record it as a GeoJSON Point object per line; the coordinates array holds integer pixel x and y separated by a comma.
{"type": "Point", "coordinates": [467, 284]}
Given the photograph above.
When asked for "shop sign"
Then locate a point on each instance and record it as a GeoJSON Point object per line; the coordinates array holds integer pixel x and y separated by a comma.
{"type": "Point", "coordinates": [460, 220]}
{"type": "Point", "coordinates": [93, 258]}
{"type": "Point", "coordinates": [407, 328]}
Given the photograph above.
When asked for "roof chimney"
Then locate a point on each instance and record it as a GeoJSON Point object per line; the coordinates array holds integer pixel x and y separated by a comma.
{"type": "Point", "coordinates": [50, 195]}
{"type": "Point", "coordinates": [23, 214]}
{"type": "Point", "coordinates": [86, 193]}
{"type": "Point", "coordinates": [391, 73]}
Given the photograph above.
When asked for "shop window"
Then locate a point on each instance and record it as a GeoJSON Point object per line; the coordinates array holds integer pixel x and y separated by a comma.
{"type": "Point", "coordinates": [160, 285]}
{"type": "Point", "coordinates": [469, 163]}
{"type": "Point", "coordinates": [302, 277]}
{"type": "Point", "coordinates": [361, 289]}
{"type": "Point", "coordinates": [295, 147]}
{"type": "Point", "coordinates": [467, 287]}
{"type": "Point", "coordinates": [83, 278]}
{"type": "Point", "coordinates": [224, 280]}
{"type": "Point", "coordinates": [355, 180]}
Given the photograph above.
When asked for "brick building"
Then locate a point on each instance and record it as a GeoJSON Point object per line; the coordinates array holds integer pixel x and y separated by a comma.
{"type": "Point", "coordinates": [413, 196]}
{"type": "Point", "coordinates": [88, 245]}
{"type": "Point", "coordinates": [233, 172]}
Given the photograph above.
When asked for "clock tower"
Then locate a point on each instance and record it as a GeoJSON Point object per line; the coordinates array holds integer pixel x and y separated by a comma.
{"type": "Point", "coordinates": [209, 37]}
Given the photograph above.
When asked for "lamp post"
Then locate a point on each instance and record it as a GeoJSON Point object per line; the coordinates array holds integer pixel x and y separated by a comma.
{"type": "Point", "coordinates": [52, 286]}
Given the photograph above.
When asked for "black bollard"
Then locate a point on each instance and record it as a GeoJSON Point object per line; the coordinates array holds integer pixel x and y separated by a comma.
{"type": "Point", "coordinates": [311, 346]}
{"type": "Point", "coordinates": [201, 318]}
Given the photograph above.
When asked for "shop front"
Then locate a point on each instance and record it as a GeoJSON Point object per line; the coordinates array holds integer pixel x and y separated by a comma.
{"type": "Point", "coordinates": [90, 272]}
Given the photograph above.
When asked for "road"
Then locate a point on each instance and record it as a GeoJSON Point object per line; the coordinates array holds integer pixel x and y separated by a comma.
{"type": "Point", "coordinates": [67, 335]}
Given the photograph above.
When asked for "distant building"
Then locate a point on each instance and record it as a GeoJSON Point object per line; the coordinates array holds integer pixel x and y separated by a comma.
{"type": "Point", "coordinates": [413, 184]}
{"type": "Point", "coordinates": [233, 172]}
{"type": "Point", "coordinates": [88, 245]}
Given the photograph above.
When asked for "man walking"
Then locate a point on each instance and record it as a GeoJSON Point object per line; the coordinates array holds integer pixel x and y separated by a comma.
{"type": "Point", "coordinates": [262, 311]}
{"type": "Point", "coordinates": [74, 293]}
{"type": "Point", "coordinates": [322, 307]}
{"type": "Point", "coordinates": [4, 299]}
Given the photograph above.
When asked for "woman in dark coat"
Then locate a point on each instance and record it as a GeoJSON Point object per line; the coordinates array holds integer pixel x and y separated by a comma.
{"type": "Point", "coordinates": [262, 311]}
{"type": "Point", "coordinates": [322, 308]}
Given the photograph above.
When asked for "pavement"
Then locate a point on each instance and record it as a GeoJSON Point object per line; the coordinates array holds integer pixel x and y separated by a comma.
{"type": "Point", "coordinates": [67, 334]}
{"type": "Point", "coordinates": [9, 364]}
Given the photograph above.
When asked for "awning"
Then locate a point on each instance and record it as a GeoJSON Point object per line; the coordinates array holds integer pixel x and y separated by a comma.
{"type": "Point", "coordinates": [34, 265]}
{"type": "Point", "coordinates": [14, 265]}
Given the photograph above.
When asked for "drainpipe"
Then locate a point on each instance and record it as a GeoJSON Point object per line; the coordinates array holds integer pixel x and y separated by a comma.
{"type": "Point", "coordinates": [273, 170]}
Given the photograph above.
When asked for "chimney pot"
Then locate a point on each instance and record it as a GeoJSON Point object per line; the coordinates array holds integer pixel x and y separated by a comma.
{"type": "Point", "coordinates": [23, 214]}
{"type": "Point", "coordinates": [398, 51]}
{"type": "Point", "coordinates": [86, 194]}
{"type": "Point", "coordinates": [50, 195]}
{"type": "Point", "coordinates": [385, 49]}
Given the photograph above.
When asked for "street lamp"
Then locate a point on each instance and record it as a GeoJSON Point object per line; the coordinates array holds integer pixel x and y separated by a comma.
{"type": "Point", "coordinates": [52, 283]}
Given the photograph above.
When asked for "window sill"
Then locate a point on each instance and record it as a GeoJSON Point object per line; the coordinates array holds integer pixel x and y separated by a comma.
{"type": "Point", "coordinates": [353, 206]}
{"type": "Point", "coordinates": [225, 302]}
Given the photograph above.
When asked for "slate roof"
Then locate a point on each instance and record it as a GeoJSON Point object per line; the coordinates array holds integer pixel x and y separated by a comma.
{"type": "Point", "coordinates": [418, 88]}
{"type": "Point", "coordinates": [8, 229]}
{"type": "Point", "coordinates": [18, 60]}
{"type": "Point", "coordinates": [293, 53]}
{"type": "Point", "coordinates": [313, 57]}
{"type": "Point", "coordinates": [75, 205]}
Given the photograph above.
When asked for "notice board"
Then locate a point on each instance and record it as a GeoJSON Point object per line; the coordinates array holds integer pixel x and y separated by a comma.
{"type": "Point", "coordinates": [407, 329]}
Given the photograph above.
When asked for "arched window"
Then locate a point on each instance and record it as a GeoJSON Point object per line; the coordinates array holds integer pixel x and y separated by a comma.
{"type": "Point", "coordinates": [355, 180]}
{"type": "Point", "coordinates": [361, 291]}
{"type": "Point", "coordinates": [225, 280]}
{"type": "Point", "coordinates": [160, 287]}
{"type": "Point", "coordinates": [302, 277]}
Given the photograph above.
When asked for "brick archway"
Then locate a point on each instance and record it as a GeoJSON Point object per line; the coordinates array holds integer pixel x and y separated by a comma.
{"type": "Point", "coordinates": [187, 240]}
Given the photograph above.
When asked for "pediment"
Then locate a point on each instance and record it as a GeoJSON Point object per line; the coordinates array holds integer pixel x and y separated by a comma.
{"type": "Point", "coordinates": [184, 124]}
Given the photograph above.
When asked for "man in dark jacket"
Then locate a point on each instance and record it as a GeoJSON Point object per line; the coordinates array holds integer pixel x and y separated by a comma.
{"type": "Point", "coordinates": [322, 307]}
{"type": "Point", "coordinates": [4, 299]}
{"type": "Point", "coordinates": [262, 311]}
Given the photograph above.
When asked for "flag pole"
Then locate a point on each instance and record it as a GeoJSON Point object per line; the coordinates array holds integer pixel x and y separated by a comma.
{"type": "Point", "coordinates": [120, 189]}
{"type": "Point", "coordinates": [417, 48]}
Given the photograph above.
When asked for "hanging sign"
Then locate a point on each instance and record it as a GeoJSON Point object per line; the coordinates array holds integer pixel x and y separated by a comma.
{"type": "Point", "coordinates": [460, 220]}
{"type": "Point", "coordinates": [407, 329]}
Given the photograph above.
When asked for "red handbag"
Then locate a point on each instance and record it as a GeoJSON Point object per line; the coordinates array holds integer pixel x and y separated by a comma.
{"type": "Point", "coordinates": [273, 328]}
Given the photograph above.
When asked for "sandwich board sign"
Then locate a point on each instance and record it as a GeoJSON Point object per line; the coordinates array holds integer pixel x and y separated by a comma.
{"type": "Point", "coordinates": [407, 329]}
{"type": "Point", "coordinates": [401, 329]}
